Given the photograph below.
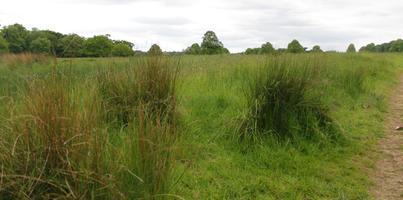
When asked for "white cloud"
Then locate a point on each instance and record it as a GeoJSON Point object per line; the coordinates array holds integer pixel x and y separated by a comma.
{"type": "Point", "coordinates": [239, 24]}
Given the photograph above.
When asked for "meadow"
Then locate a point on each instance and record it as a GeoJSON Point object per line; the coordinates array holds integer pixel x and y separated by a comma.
{"type": "Point", "coordinates": [289, 126]}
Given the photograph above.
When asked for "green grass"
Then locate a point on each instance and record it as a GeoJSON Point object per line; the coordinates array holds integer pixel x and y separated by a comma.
{"type": "Point", "coordinates": [212, 97]}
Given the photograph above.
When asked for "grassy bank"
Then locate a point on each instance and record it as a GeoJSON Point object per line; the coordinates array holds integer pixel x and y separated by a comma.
{"type": "Point", "coordinates": [196, 127]}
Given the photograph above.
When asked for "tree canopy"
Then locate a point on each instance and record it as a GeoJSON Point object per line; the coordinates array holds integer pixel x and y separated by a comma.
{"type": "Point", "coordinates": [316, 49]}
{"type": "Point", "coordinates": [40, 45]}
{"type": "Point", "coordinates": [122, 49]}
{"type": "Point", "coordinates": [266, 48]}
{"type": "Point", "coordinates": [211, 44]}
{"type": "Point", "coordinates": [351, 48]}
{"type": "Point", "coordinates": [295, 47]}
{"type": "Point", "coordinates": [72, 45]}
{"type": "Point", "coordinates": [3, 45]}
{"type": "Point", "coordinates": [98, 46]}
{"type": "Point", "coordinates": [155, 50]}
{"type": "Point", "coordinates": [16, 37]}
{"type": "Point", "coordinates": [193, 50]}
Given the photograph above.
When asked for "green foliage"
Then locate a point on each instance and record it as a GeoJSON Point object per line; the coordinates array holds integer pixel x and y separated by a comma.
{"type": "Point", "coordinates": [316, 49]}
{"type": "Point", "coordinates": [155, 50]}
{"type": "Point", "coordinates": [16, 36]}
{"type": "Point", "coordinates": [72, 45]}
{"type": "Point", "coordinates": [40, 45]}
{"type": "Point", "coordinates": [127, 43]}
{"type": "Point", "coordinates": [250, 51]}
{"type": "Point", "coordinates": [122, 49]}
{"type": "Point", "coordinates": [3, 45]}
{"type": "Point", "coordinates": [396, 46]}
{"type": "Point", "coordinates": [55, 45]}
{"type": "Point", "coordinates": [369, 48]}
{"type": "Point", "coordinates": [351, 48]}
{"type": "Point", "coordinates": [295, 47]}
{"type": "Point", "coordinates": [193, 50]}
{"type": "Point", "coordinates": [266, 48]}
{"type": "Point", "coordinates": [97, 46]}
{"type": "Point", "coordinates": [211, 45]}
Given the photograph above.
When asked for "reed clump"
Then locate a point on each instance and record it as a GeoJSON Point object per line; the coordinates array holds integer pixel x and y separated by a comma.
{"type": "Point", "coordinates": [282, 101]}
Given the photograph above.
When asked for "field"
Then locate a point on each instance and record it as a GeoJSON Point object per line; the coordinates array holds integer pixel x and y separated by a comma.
{"type": "Point", "coordinates": [290, 126]}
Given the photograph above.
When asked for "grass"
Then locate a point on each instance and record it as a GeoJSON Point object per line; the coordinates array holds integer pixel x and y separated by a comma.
{"type": "Point", "coordinates": [149, 137]}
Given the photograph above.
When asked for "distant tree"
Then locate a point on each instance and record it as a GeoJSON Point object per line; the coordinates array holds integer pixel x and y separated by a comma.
{"type": "Point", "coordinates": [385, 47]}
{"type": "Point", "coordinates": [97, 46]}
{"type": "Point", "coordinates": [72, 45]}
{"type": "Point", "coordinates": [369, 48]}
{"type": "Point", "coordinates": [122, 49]}
{"type": "Point", "coordinates": [211, 44]}
{"type": "Point", "coordinates": [316, 49]}
{"type": "Point", "coordinates": [139, 53]}
{"type": "Point", "coordinates": [396, 46]}
{"type": "Point", "coordinates": [225, 51]}
{"type": "Point", "coordinates": [155, 50]}
{"type": "Point", "coordinates": [129, 44]}
{"type": "Point", "coordinates": [3, 45]}
{"type": "Point", "coordinates": [266, 48]}
{"type": "Point", "coordinates": [193, 50]}
{"type": "Point", "coordinates": [16, 36]}
{"type": "Point", "coordinates": [250, 51]}
{"type": "Point", "coordinates": [40, 45]}
{"type": "Point", "coordinates": [295, 47]}
{"type": "Point", "coordinates": [351, 48]}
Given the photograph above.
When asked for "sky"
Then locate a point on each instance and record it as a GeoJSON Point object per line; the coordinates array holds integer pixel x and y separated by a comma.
{"type": "Point", "coordinates": [239, 24]}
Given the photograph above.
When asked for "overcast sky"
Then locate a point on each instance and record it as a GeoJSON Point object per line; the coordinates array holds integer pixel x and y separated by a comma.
{"type": "Point", "coordinates": [239, 24]}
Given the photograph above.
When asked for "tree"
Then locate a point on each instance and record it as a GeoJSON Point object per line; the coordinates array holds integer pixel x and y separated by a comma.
{"type": "Point", "coordinates": [250, 51]}
{"type": "Point", "coordinates": [316, 49]}
{"type": "Point", "coordinates": [396, 46]}
{"type": "Point", "coordinates": [193, 50]}
{"type": "Point", "coordinates": [54, 38]}
{"type": "Point", "coordinates": [211, 44]}
{"type": "Point", "coordinates": [16, 36]}
{"type": "Point", "coordinates": [97, 46]}
{"type": "Point", "coordinates": [295, 47]}
{"type": "Point", "coordinates": [40, 45]}
{"type": "Point", "coordinates": [266, 48]}
{"type": "Point", "coordinates": [129, 44]}
{"type": "Point", "coordinates": [155, 50]}
{"type": "Point", "coordinates": [3, 45]}
{"type": "Point", "coordinates": [351, 48]}
{"type": "Point", "coordinates": [121, 49]}
{"type": "Point", "coordinates": [72, 45]}
{"type": "Point", "coordinates": [369, 48]}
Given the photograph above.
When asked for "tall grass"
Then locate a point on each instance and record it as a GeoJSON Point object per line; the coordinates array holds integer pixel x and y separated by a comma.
{"type": "Point", "coordinates": [23, 59]}
{"type": "Point", "coordinates": [51, 145]}
{"type": "Point", "coordinates": [282, 101]}
{"type": "Point", "coordinates": [150, 81]}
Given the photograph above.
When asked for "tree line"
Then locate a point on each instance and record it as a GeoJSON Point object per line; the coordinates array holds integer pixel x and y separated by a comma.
{"type": "Point", "coordinates": [17, 39]}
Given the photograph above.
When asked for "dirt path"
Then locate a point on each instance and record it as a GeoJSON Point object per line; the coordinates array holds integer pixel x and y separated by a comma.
{"type": "Point", "coordinates": [389, 167]}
